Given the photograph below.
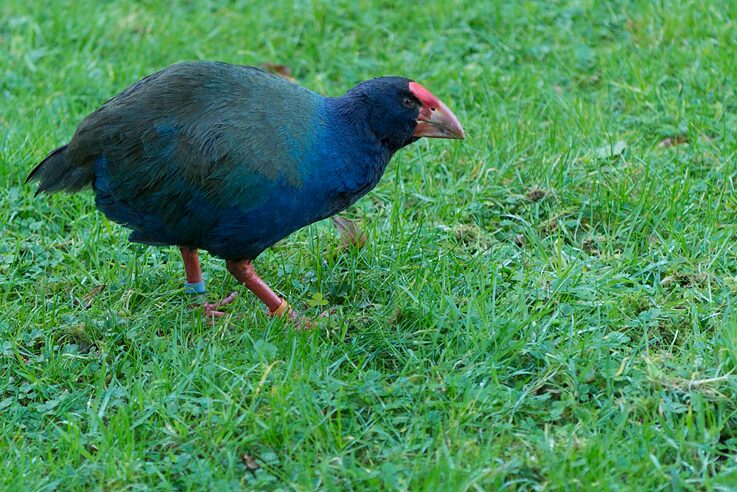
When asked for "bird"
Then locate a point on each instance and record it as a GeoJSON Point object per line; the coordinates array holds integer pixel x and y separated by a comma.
{"type": "Point", "coordinates": [230, 159]}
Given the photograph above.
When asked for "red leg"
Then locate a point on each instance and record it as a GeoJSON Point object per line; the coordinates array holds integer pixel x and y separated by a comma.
{"type": "Point", "coordinates": [245, 273]}
{"type": "Point", "coordinates": [196, 285]}
{"type": "Point", "coordinates": [191, 264]}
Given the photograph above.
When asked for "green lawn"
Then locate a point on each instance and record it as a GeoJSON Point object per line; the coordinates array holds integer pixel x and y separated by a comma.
{"type": "Point", "coordinates": [548, 304]}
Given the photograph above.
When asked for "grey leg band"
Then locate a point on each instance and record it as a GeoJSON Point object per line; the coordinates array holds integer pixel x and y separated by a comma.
{"type": "Point", "coordinates": [195, 287]}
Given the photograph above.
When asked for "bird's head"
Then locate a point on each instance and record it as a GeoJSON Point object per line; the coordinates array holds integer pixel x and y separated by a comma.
{"type": "Point", "coordinates": [400, 111]}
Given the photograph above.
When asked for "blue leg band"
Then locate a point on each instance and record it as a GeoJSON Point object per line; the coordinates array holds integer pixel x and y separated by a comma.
{"type": "Point", "coordinates": [195, 287]}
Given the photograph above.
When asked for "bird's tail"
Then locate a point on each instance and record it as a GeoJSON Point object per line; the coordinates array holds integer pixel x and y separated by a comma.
{"type": "Point", "coordinates": [54, 173]}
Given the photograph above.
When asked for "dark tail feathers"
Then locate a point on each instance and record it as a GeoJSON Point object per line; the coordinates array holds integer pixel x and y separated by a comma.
{"type": "Point", "coordinates": [55, 174]}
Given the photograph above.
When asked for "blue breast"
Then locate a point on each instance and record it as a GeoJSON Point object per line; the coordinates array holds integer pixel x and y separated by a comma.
{"type": "Point", "coordinates": [336, 169]}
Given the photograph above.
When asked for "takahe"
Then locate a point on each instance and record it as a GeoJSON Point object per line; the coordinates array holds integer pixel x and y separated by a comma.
{"type": "Point", "coordinates": [231, 159]}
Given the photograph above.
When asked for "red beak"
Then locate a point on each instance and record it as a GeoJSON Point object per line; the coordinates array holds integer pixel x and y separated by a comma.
{"type": "Point", "coordinates": [436, 120]}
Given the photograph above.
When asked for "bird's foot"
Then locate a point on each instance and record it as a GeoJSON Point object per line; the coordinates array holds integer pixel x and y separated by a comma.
{"type": "Point", "coordinates": [300, 322]}
{"type": "Point", "coordinates": [212, 309]}
{"type": "Point", "coordinates": [285, 310]}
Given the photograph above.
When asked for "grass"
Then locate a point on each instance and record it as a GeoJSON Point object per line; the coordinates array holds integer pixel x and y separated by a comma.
{"type": "Point", "coordinates": [547, 305]}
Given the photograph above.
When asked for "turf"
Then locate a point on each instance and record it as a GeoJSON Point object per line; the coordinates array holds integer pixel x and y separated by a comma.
{"type": "Point", "coordinates": [547, 305]}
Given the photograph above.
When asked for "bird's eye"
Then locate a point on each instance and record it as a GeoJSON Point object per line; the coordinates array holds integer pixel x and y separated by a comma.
{"type": "Point", "coordinates": [408, 103]}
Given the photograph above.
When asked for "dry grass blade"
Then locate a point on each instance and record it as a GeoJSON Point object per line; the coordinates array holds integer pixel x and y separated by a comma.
{"type": "Point", "coordinates": [250, 462]}
{"type": "Point", "coordinates": [280, 70]}
{"type": "Point", "coordinates": [86, 303]}
{"type": "Point", "coordinates": [350, 233]}
{"type": "Point", "coordinates": [672, 141]}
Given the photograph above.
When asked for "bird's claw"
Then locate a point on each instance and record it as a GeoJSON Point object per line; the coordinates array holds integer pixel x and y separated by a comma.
{"type": "Point", "coordinates": [285, 310]}
{"type": "Point", "coordinates": [326, 314]}
{"type": "Point", "coordinates": [300, 322]}
{"type": "Point", "coordinates": [211, 308]}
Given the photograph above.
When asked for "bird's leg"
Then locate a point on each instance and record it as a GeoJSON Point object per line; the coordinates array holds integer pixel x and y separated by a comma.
{"type": "Point", "coordinates": [195, 285]}
{"type": "Point", "coordinates": [191, 259]}
{"type": "Point", "coordinates": [245, 273]}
